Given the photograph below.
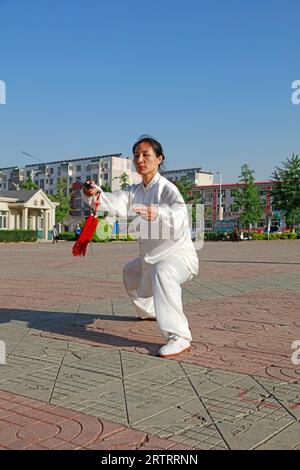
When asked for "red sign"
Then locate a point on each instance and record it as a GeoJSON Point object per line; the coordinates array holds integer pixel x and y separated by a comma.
{"type": "Point", "coordinates": [268, 200]}
{"type": "Point", "coordinates": [215, 205]}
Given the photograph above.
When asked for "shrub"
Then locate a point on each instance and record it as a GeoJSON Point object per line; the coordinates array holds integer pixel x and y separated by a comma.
{"type": "Point", "coordinates": [210, 236]}
{"type": "Point", "coordinates": [214, 236]}
{"type": "Point", "coordinates": [257, 236]}
{"type": "Point", "coordinates": [69, 236]}
{"type": "Point", "coordinates": [18, 236]}
{"type": "Point", "coordinates": [274, 236]}
{"type": "Point", "coordinates": [131, 238]}
{"type": "Point", "coordinates": [289, 236]}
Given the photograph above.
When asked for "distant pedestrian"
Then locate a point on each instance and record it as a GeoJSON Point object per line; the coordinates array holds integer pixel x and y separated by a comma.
{"type": "Point", "coordinates": [235, 237]}
{"type": "Point", "coordinates": [77, 231]}
{"type": "Point", "coordinates": [54, 234]}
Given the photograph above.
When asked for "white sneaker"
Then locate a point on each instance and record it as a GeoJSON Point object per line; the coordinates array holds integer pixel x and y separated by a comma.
{"type": "Point", "coordinates": [175, 346]}
{"type": "Point", "coordinates": [147, 318]}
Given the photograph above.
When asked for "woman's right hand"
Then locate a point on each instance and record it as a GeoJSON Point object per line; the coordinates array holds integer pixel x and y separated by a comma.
{"type": "Point", "coordinates": [92, 191]}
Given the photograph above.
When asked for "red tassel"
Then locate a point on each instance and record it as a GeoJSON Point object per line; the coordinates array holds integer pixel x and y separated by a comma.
{"type": "Point", "coordinates": [79, 249]}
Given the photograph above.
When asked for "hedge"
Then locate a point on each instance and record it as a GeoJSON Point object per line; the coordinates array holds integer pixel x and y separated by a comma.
{"type": "Point", "coordinates": [274, 236]}
{"type": "Point", "coordinates": [69, 236]}
{"type": "Point", "coordinates": [9, 236]}
{"type": "Point", "coordinates": [216, 236]}
{"type": "Point", "coordinates": [108, 237]}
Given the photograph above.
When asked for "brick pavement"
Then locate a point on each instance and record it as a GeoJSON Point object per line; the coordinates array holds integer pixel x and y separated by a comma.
{"type": "Point", "coordinates": [74, 343]}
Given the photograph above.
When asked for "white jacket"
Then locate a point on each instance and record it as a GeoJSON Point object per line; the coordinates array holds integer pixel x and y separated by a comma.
{"type": "Point", "coordinates": [169, 234]}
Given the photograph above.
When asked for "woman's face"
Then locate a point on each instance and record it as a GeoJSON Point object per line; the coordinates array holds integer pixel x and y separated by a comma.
{"type": "Point", "coordinates": [145, 160]}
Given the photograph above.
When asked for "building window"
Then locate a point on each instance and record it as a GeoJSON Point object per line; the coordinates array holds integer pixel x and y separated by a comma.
{"type": "Point", "coordinates": [51, 171]}
{"type": "Point", "coordinates": [78, 167]}
{"type": "Point", "coordinates": [77, 203]}
{"type": "Point", "coordinates": [106, 176]}
{"type": "Point", "coordinates": [51, 181]}
{"type": "Point", "coordinates": [88, 177]}
{"type": "Point", "coordinates": [262, 192]}
{"type": "Point", "coordinates": [3, 219]}
{"type": "Point", "coordinates": [77, 213]}
{"type": "Point", "coordinates": [95, 178]}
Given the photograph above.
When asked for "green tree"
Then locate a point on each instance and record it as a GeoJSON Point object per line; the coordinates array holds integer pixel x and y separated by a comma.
{"type": "Point", "coordinates": [106, 188]}
{"type": "Point", "coordinates": [246, 198]}
{"type": "Point", "coordinates": [63, 198]}
{"type": "Point", "coordinates": [286, 192]}
{"type": "Point", "coordinates": [124, 180]}
{"type": "Point", "coordinates": [29, 184]}
{"type": "Point", "coordinates": [185, 186]}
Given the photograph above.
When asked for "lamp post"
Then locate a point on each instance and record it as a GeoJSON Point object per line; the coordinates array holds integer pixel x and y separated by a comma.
{"type": "Point", "coordinates": [220, 199]}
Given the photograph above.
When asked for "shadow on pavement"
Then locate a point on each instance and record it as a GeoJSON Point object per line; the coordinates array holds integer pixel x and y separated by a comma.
{"type": "Point", "coordinates": [76, 326]}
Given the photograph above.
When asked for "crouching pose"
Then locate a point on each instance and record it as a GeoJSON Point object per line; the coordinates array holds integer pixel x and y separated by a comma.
{"type": "Point", "coordinates": [167, 254]}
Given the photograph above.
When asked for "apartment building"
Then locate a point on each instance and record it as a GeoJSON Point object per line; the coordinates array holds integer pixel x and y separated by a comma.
{"type": "Point", "coordinates": [11, 178]}
{"type": "Point", "coordinates": [104, 170]}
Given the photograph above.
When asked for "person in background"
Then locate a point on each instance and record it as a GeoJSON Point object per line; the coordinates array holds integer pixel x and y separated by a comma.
{"type": "Point", "coordinates": [54, 234]}
{"type": "Point", "coordinates": [235, 236]}
{"type": "Point", "coordinates": [77, 231]}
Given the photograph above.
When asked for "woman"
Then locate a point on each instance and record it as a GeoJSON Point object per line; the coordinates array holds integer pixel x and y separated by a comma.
{"type": "Point", "coordinates": [167, 256]}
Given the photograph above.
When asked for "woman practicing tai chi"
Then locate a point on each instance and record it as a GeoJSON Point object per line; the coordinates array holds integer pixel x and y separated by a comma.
{"type": "Point", "coordinates": [167, 257]}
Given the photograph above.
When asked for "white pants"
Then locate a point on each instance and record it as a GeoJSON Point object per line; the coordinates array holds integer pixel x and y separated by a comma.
{"type": "Point", "coordinates": [155, 290]}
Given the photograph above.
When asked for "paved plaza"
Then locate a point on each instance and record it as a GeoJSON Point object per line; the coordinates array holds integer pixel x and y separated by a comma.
{"type": "Point", "coordinates": [82, 371]}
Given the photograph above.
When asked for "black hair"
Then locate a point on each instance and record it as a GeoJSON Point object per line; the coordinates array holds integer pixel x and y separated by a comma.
{"type": "Point", "coordinates": [156, 146]}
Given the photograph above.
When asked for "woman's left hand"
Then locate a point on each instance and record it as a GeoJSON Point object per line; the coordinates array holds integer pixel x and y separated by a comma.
{"type": "Point", "coordinates": [147, 212]}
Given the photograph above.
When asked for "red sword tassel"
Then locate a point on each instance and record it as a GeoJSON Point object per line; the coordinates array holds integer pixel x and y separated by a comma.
{"type": "Point", "coordinates": [79, 248]}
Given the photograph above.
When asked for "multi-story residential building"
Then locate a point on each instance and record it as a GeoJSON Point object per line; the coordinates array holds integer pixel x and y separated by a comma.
{"type": "Point", "coordinates": [209, 195]}
{"type": "Point", "coordinates": [104, 170]}
{"type": "Point", "coordinates": [11, 178]}
{"type": "Point", "coordinates": [195, 175]}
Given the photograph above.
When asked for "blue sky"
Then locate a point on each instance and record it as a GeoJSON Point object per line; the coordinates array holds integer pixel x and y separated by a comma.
{"type": "Point", "coordinates": [210, 79]}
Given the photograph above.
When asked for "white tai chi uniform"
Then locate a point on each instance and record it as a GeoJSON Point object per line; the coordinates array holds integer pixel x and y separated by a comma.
{"type": "Point", "coordinates": [167, 254]}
